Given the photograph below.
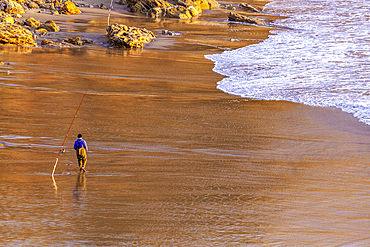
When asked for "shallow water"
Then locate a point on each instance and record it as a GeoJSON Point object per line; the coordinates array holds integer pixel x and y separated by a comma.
{"type": "Point", "coordinates": [321, 60]}
{"type": "Point", "coordinates": [172, 161]}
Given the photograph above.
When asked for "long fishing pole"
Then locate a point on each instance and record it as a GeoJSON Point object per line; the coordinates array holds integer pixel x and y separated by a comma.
{"type": "Point", "coordinates": [110, 7]}
{"type": "Point", "coordinates": [65, 138]}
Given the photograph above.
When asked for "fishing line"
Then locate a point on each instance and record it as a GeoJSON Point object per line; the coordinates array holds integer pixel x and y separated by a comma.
{"type": "Point", "coordinates": [65, 138]}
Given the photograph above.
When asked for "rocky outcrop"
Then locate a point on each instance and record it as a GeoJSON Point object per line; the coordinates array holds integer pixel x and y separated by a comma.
{"type": "Point", "coordinates": [179, 12]}
{"type": "Point", "coordinates": [15, 35]}
{"type": "Point", "coordinates": [11, 7]}
{"type": "Point", "coordinates": [249, 7]}
{"type": "Point", "coordinates": [243, 18]}
{"type": "Point", "coordinates": [121, 36]}
{"type": "Point", "coordinates": [181, 9]}
{"type": "Point", "coordinates": [70, 8]}
{"type": "Point", "coordinates": [54, 6]}
{"type": "Point", "coordinates": [6, 18]}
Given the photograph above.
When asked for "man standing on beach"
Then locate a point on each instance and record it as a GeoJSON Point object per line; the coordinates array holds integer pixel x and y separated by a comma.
{"type": "Point", "coordinates": [81, 149]}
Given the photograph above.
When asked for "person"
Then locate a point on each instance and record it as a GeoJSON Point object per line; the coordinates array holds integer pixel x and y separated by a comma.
{"type": "Point", "coordinates": [81, 148]}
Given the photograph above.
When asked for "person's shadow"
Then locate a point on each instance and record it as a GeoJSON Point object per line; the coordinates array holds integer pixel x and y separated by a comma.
{"type": "Point", "coordinates": [80, 189]}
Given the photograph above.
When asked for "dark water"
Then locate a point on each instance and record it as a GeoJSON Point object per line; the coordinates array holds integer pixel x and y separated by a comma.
{"type": "Point", "coordinates": [172, 161]}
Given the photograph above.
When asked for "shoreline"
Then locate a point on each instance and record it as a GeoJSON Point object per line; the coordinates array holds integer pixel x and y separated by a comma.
{"type": "Point", "coordinates": [189, 42]}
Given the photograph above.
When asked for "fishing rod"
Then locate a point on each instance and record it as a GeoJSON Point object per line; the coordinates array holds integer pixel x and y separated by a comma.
{"type": "Point", "coordinates": [110, 7]}
{"type": "Point", "coordinates": [62, 150]}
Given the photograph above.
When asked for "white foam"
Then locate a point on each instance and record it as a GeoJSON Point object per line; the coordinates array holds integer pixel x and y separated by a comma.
{"type": "Point", "coordinates": [322, 61]}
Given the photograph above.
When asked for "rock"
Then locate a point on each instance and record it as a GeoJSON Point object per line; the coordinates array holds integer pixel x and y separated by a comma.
{"type": "Point", "coordinates": [6, 18]}
{"type": "Point", "coordinates": [193, 11]}
{"type": "Point", "coordinates": [243, 18]}
{"type": "Point", "coordinates": [33, 5]}
{"type": "Point", "coordinates": [19, 22]}
{"type": "Point", "coordinates": [169, 33]}
{"type": "Point", "coordinates": [206, 4]}
{"type": "Point", "coordinates": [40, 1]}
{"type": "Point", "coordinates": [122, 36]}
{"type": "Point", "coordinates": [143, 6]}
{"type": "Point", "coordinates": [70, 8]}
{"type": "Point", "coordinates": [15, 35]}
{"type": "Point", "coordinates": [12, 7]}
{"type": "Point", "coordinates": [78, 41]}
{"type": "Point", "coordinates": [31, 22]}
{"type": "Point", "coordinates": [102, 6]}
{"type": "Point", "coordinates": [50, 26]}
{"type": "Point", "coordinates": [41, 30]}
{"type": "Point", "coordinates": [179, 12]}
{"type": "Point", "coordinates": [52, 44]}
{"type": "Point", "coordinates": [45, 6]}
{"type": "Point", "coordinates": [230, 7]}
{"type": "Point", "coordinates": [249, 7]}
{"type": "Point", "coordinates": [181, 9]}
{"type": "Point", "coordinates": [156, 12]}
{"type": "Point", "coordinates": [57, 3]}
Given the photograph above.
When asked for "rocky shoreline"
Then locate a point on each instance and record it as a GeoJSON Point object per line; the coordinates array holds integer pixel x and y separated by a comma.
{"type": "Point", "coordinates": [15, 30]}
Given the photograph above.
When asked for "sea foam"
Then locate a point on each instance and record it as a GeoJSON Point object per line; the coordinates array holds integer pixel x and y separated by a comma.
{"type": "Point", "coordinates": [321, 60]}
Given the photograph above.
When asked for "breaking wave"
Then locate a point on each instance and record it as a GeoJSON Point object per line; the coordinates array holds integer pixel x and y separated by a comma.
{"type": "Point", "coordinates": [321, 60]}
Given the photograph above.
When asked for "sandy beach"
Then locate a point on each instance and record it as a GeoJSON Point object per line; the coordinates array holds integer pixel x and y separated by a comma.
{"type": "Point", "coordinates": [173, 161]}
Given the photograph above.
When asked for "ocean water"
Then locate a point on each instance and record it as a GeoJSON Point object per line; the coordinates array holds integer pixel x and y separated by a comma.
{"type": "Point", "coordinates": [320, 57]}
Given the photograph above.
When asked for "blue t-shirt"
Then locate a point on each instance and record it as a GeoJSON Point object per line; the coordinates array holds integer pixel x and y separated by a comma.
{"type": "Point", "coordinates": [79, 143]}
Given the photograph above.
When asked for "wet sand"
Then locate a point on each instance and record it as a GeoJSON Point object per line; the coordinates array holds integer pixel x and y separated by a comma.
{"type": "Point", "coordinates": [173, 161]}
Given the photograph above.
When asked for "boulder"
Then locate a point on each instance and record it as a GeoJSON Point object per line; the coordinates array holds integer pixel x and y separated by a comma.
{"type": "Point", "coordinates": [206, 4]}
{"type": "Point", "coordinates": [169, 33]}
{"type": "Point", "coordinates": [78, 41]}
{"type": "Point", "coordinates": [143, 6]}
{"type": "Point", "coordinates": [243, 18]}
{"type": "Point", "coordinates": [50, 26]}
{"type": "Point", "coordinates": [33, 5]}
{"type": "Point", "coordinates": [31, 22]}
{"type": "Point", "coordinates": [179, 12]}
{"type": "Point", "coordinates": [12, 7]}
{"type": "Point", "coordinates": [121, 36]}
{"type": "Point", "coordinates": [15, 35]}
{"type": "Point", "coordinates": [249, 7]}
{"type": "Point", "coordinates": [41, 31]}
{"type": "Point", "coordinates": [6, 18]}
{"type": "Point", "coordinates": [181, 9]}
{"type": "Point", "coordinates": [70, 8]}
